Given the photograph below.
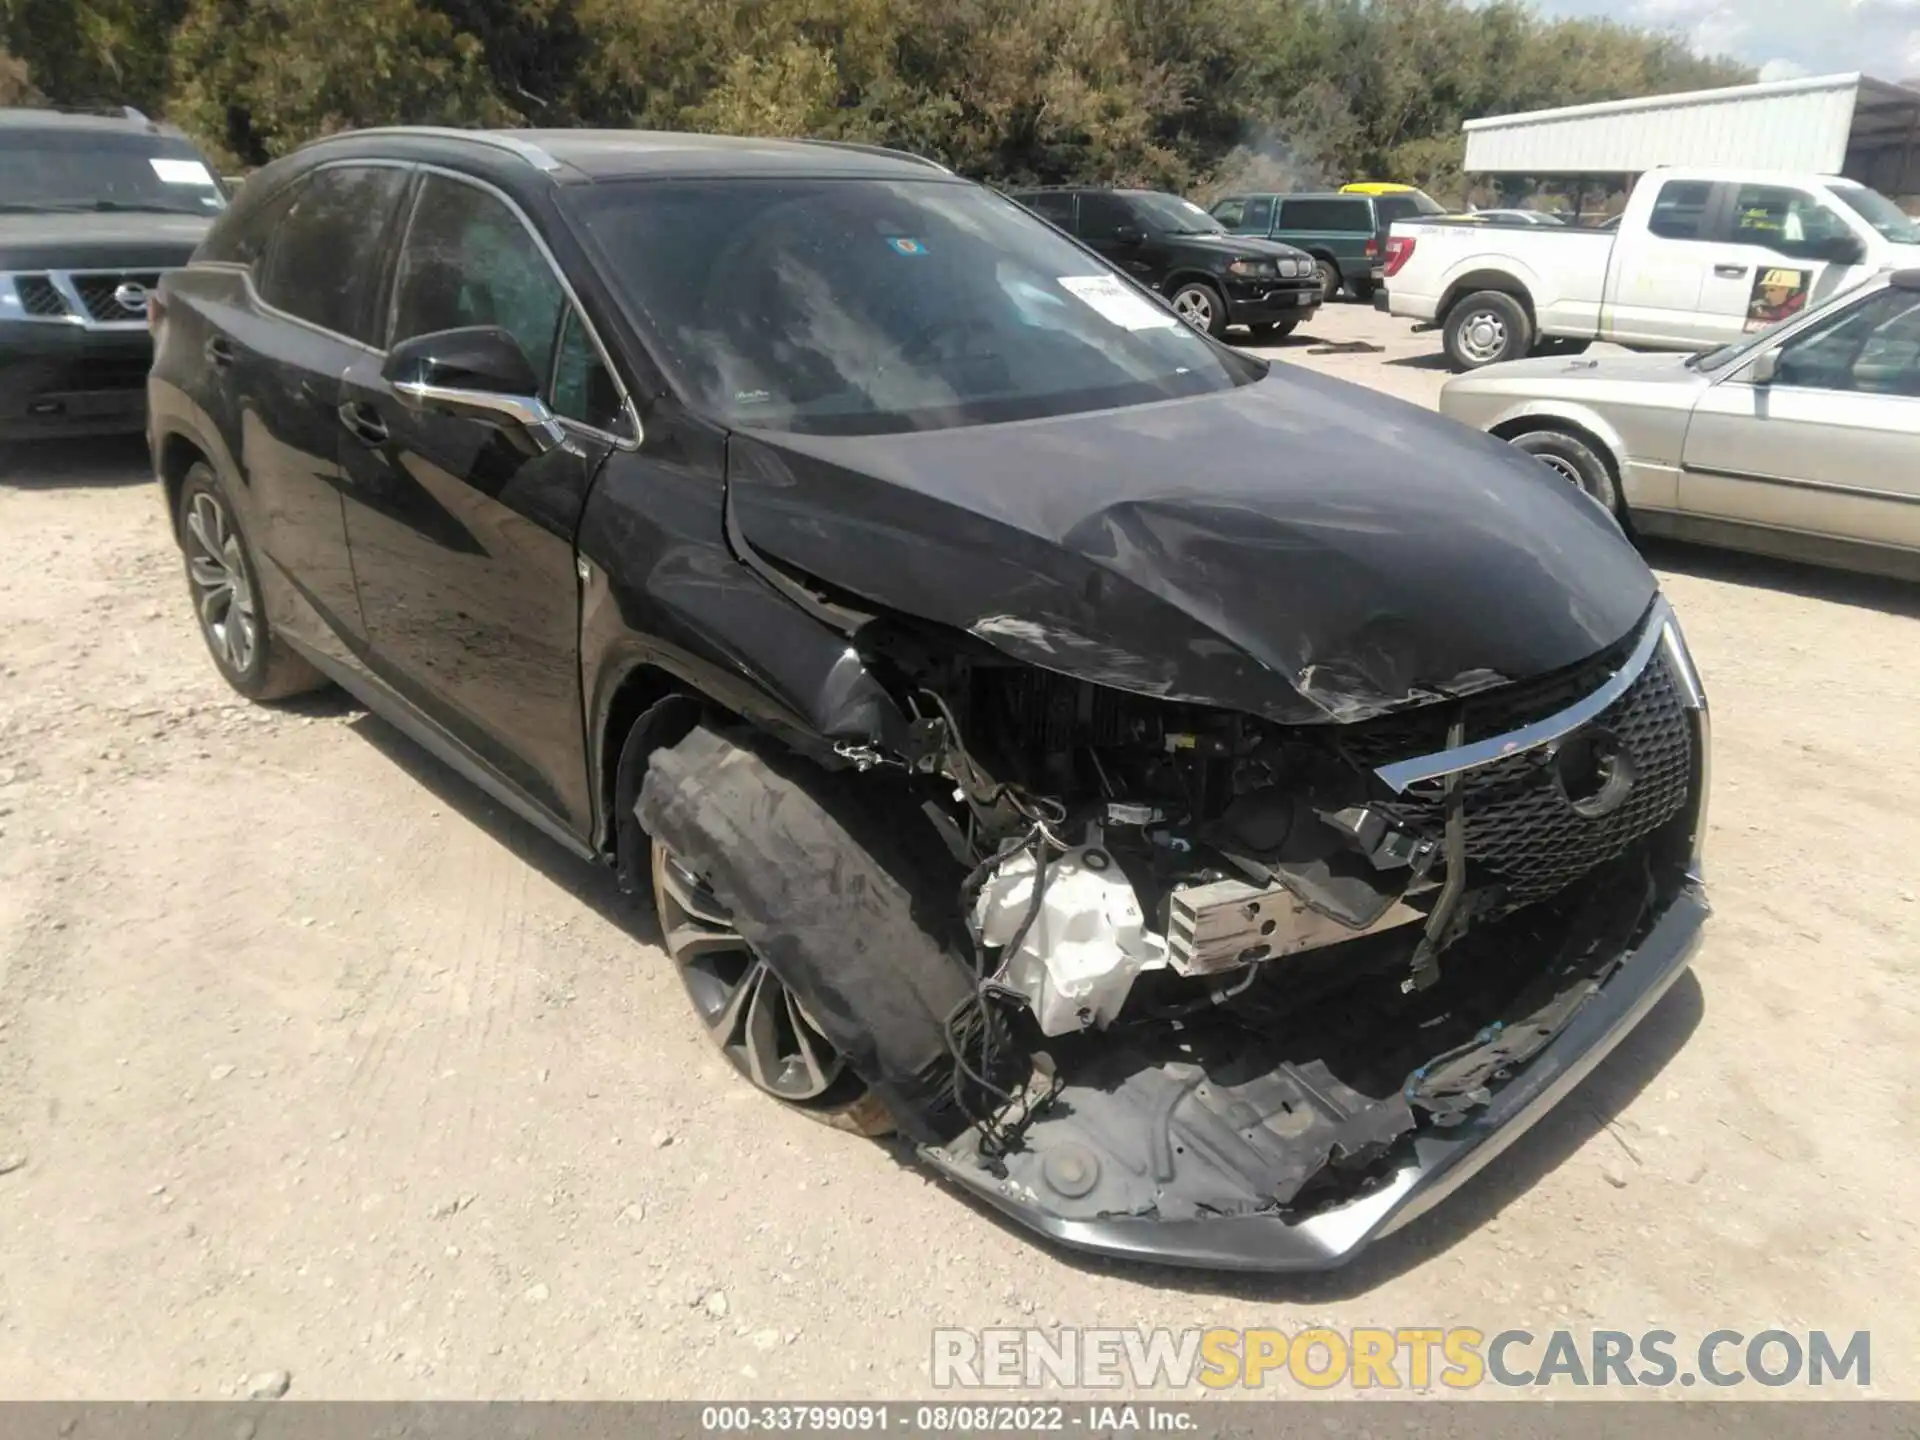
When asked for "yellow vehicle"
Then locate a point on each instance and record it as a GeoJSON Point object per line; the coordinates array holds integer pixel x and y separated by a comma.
{"type": "Point", "coordinates": [1378, 187]}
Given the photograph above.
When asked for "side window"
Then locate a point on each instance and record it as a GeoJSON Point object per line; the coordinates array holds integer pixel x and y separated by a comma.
{"type": "Point", "coordinates": [325, 254]}
{"type": "Point", "coordinates": [1874, 349]}
{"type": "Point", "coordinates": [582, 388]}
{"type": "Point", "coordinates": [1680, 210]}
{"type": "Point", "coordinates": [1789, 221]}
{"type": "Point", "coordinates": [1231, 214]}
{"type": "Point", "coordinates": [469, 261]}
{"type": "Point", "coordinates": [242, 235]}
{"type": "Point", "coordinates": [1052, 205]}
{"type": "Point", "coordinates": [1259, 216]}
{"type": "Point", "coordinates": [1103, 216]}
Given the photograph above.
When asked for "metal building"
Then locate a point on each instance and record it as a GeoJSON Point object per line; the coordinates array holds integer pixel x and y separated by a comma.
{"type": "Point", "coordinates": [1832, 124]}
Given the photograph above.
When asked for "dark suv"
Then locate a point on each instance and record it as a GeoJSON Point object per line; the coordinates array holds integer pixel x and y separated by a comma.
{"type": "Point", "coordinates": [93, 210]}
{"type": "Point", "coordinates": [1173, 246]}
{"type": "Point", "coordinates": [1345, 233]}
{"type": "Point", "coordinates": [1167, 786]}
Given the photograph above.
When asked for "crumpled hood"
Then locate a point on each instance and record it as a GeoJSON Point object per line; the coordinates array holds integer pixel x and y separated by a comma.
{"type": "Point", "coordinates": [109, 240]}
{"type": "Point", "coordinates": [1299, 548]}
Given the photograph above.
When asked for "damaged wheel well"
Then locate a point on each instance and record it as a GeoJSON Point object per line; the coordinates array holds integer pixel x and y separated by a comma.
{"type": "Point", "coordinates": [650, 708]}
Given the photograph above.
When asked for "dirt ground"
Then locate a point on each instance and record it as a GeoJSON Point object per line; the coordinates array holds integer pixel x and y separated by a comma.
{"type": "Point", "coordinates": [314, 1059]}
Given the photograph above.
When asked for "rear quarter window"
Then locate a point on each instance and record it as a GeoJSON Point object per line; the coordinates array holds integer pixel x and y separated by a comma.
{"type": "Point", "coordinates": [325, 256]}
{"type": "Point", "coordinates": [240, 237]}
{"type": "Point", "coordinates": [1350, 216]}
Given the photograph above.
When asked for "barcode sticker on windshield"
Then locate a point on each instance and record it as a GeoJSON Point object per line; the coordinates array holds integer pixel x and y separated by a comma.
{"type": "Point", "coordinates": [182, 172]}
{"type": "Point", "coordinates": [1116, 303]}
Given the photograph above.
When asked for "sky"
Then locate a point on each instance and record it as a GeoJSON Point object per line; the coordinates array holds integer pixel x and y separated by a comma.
{"type": "Point", "coordinates": [1782, 38]}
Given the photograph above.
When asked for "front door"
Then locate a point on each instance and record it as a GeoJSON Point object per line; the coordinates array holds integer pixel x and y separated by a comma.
{"type": "Point", "coordinates": [462, 532]}
{"type": "Point", "coordinates": [1770, 260]}
{"type": "Point", "coordinates": [1832, 445]}
{"type": "Point", "coordinates": [1110, 227]}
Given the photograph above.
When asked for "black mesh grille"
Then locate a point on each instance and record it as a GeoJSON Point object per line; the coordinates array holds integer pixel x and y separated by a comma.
{"type": "Point", "coordinates": [1524, 833]}
{"type": "Point", "coordinates": [37, 295]}
{"type": "Point", "coordinates": [97, 292]}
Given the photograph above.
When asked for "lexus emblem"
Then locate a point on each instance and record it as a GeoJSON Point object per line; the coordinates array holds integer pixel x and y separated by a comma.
{"type": "Point", "coordinates": [1594, 772]}
{"type": "Point", "coordinates": [131, 296]}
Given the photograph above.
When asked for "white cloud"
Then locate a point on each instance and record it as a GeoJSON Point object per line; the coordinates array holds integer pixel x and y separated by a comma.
{"type": "Point", "coordinates": [1782, 38]}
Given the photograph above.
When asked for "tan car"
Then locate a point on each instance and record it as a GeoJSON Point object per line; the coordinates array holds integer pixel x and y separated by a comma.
{"type": "Point", "coordinates": [1802, 440]}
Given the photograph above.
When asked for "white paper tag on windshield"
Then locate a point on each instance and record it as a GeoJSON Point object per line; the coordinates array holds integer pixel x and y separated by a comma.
{"type": "Point", "coordinates": [1116, 303]}
{"type": "Point", "coordinates": [181, 172]}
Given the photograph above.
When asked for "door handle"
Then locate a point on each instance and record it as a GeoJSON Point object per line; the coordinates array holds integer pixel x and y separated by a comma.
{"type": "Point", "coordinates": [1729, 272]}
{"type": "Point", "coordinates": [363, 423]}
{"type": "Point", "coordinates": [219, 352]}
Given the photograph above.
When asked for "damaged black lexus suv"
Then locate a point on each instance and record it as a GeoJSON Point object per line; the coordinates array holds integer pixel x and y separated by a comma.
{"type": "Point", "coordinates": [1208, 809]}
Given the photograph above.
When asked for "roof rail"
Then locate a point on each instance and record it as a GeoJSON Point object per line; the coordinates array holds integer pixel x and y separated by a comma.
{"type": "Point", "coordinates": [525, 149]}
{"type": "Point", "coordinates": [887, 150]}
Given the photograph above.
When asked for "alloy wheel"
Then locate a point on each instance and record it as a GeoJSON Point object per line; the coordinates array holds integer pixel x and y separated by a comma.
{"type": "Point", "coordinates": [1563, 468]}
{"type": "Point", "coordinates": [222, 597]}
{"type": "Point", "coordinates": [1195, 306]}
{"type": "Point", "coordinates": [759, 1024]}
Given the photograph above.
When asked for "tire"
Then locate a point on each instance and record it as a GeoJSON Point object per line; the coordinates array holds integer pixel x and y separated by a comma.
{"type": "Point", "coordinates": [1268, 331]}
{"type": "Point", "coordinates": [1362, 291]}
{"type": "Point", "coordinates": [841, 908]}
{"type": "Point", "coordinates": [1486, 328]}
{"type": "Point", "coordinates": [224, 587]}
{"type": "Point", "coordinates": [1575, 461]}
{"type": "Point", "coordinates": [1329, 276]}
{"type": "Point", "coordinates": [1202, 307]}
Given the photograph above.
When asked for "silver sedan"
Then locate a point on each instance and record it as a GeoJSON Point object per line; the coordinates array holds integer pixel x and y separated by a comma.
{"type": "Point", "coordinates": [1802, 440]}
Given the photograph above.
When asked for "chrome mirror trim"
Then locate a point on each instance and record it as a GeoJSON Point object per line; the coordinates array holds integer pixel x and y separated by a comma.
{"type": "Point", "coordinates": [529, 411]}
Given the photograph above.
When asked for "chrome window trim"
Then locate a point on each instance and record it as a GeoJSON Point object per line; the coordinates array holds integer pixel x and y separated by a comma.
{"type": "Point", "coordinates": [1399, 775]}
{"type": "Point", "coordinates": [628, 408]}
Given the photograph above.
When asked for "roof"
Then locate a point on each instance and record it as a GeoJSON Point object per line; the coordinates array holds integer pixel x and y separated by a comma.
{"type": "Point", "coordinates": [120, 122]}
{"type": "Point", "coordinates": [1823, 123]}
{"type": "Point", "coordinates": [576, 156]}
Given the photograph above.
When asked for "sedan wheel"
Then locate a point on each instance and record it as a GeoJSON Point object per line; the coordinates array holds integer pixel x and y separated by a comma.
{"type": "Point", "coordinates": [759, 1025]}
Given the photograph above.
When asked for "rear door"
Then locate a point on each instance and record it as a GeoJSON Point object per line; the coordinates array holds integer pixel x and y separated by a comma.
{"type": "Point", "coordinates": [462, 533]}
{"type": "Point", "coordinates": [311, 318]}
{"type": "Point", "coordinates": [1658, 271]}
{"type": "Point", "coordinates": [1830, 447]}
{"type": "Point", "coordinates": [1053, 206]}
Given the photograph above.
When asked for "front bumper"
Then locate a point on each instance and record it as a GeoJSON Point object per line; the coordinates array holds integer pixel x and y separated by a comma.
{"type": "Point", "coordinates": [1441, 1160]}
{"type": "Point", "coordinates": [1271, 302]}
{"type": "Point", "coordinates": [60, 382]}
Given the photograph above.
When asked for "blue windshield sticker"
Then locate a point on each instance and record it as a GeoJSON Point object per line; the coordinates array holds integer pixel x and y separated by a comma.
{"type": "Point", "coordinates": [906, 245]}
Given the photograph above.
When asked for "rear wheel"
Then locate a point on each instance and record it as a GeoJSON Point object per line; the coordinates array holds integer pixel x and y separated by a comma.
{"type": "Point", "coordinates": [1362, 290]}
{"type": "Point", "coordinates": [1202, 307]}
{"type": "Point", "coordinates": [1575, 461]}
{"type": "Point", "coordinates": [1328, 275]}
{"type": "Point", "coordinates": [1485, 328]}
{"type": "Point", "coordinates": [225, 589]}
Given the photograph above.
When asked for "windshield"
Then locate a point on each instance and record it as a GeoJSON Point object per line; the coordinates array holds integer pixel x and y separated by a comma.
{"type": "Point", "coordinates": [1882, 214]}
{"type": "Point", "coordinates": [1166, 213]}
{"type": "Point", "coordinates": [77, 170]}
{"type": "Point", "coordinates": [853, 307]}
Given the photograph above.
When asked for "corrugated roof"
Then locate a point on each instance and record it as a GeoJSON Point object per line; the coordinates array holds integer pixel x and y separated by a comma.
{"type": "Point", "coordinates": [1821, 123]}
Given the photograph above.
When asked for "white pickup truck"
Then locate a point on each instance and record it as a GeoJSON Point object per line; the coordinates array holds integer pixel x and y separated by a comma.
{"type": "Point", "coordinates": [1699, 258]}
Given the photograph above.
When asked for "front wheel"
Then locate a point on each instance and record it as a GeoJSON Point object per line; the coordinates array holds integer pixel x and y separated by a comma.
{"type": "Point", "coordinates": [1328, 274]}
{"type": "Point", "coordinates": [1486, 328]}
{"type": "Point", "coordinates": [1575, 461]}
{"type": "Point", "coordinates": [1202, 307]}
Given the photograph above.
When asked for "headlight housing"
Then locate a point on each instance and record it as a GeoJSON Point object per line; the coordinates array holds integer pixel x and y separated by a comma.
{"type": "Point", "coordinates": [1253, 269]}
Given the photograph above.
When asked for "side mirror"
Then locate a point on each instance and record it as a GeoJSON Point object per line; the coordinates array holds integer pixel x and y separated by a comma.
{"type": "Point", "coordinates": [1765, 366]}
{"type": "Point", "coordinates": [478, 373]}
{"type": "Point", "coordinates": [1843, 250]}
{"type": "Point", "coordinates": [1130, 235]}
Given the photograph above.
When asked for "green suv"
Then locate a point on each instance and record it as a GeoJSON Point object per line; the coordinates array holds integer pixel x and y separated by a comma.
{"type": "Point", "coordinates": [1345, 233]}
